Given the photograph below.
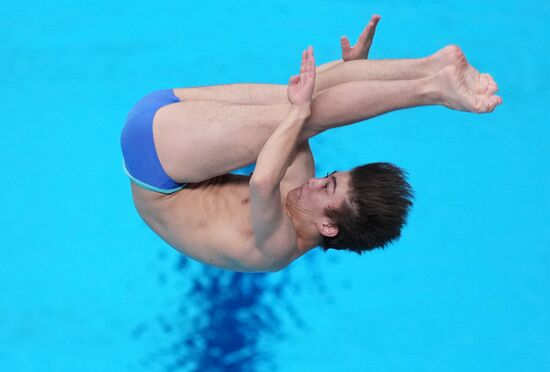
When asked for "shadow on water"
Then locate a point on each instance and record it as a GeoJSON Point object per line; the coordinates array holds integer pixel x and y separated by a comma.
{"type": "Point", "coordinates": [222, 320]}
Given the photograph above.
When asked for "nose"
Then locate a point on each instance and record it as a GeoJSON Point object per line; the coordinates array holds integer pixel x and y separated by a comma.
{"type": "Point", "coordinates": [315, 183]}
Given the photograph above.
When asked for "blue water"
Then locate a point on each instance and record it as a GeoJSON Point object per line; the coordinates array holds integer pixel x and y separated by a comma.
{"type": "Point", "coordinates": [86, 286]}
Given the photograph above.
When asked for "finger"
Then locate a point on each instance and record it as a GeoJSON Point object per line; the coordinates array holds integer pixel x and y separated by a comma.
{"type": "Point", "coordinates": [302, 66]}
{"type": "Point", "coordinates": [370, 29]}
{"type": "Point", "coordinates": [374, 22]}
{"type": "Point", "coordinates": [363, 35]}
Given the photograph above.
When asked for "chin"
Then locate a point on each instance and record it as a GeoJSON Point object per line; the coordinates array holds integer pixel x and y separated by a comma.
{"type": "Point", "coordinates": [291, 199]}
{"type": "Point", "coordinates": [294, 205]}
{"type": "Point", "coordinates": [293, 195]}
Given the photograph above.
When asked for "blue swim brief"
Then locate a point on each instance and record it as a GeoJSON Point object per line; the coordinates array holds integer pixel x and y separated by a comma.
{"type": "Point", "coordinates": [141, 162]}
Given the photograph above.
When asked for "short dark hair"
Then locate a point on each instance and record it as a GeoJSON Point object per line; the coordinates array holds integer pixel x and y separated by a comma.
{"type": "Point", "coordinates": [378, 202]}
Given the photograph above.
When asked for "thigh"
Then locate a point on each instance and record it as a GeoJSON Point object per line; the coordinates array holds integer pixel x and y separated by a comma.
{"type": "Point", "coordinates": [198, 140]}
{"type": "Point", "coordinates": [240, 93]}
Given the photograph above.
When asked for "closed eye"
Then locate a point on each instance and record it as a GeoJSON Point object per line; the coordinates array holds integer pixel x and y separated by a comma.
{"type": "Point", "coordinates": [326, 181]}
{"type": "Point", "coordinates": [331, 178]}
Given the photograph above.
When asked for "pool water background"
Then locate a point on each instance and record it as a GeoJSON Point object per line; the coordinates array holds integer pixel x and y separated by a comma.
{"type": "Point", "coordinates": [87, 286]}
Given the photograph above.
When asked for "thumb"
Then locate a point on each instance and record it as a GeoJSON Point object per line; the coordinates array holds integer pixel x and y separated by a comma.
{"type": "Point", "coordinates": [344, 41]}
{"type": "Point", "coordinates": [294, 79]}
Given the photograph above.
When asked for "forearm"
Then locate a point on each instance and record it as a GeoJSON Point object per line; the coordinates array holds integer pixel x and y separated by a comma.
{"type": "Point", "coordinates": [276, 154]}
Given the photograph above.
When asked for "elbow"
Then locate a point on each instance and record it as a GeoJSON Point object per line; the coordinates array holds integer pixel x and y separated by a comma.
{"type": "Point", "coordinates": [274, 269]}
{"type": "Point", "coordinates": [270, 267]}
{"type": "Point", "coordinates": [262, 184]}
{"type": "Point", "coordinates": [277, 263]}
{"type": "Point", "coordinates": [256, 261]}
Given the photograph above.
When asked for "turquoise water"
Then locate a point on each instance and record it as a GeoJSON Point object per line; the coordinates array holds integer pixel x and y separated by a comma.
{"type": "Point", "coordinates": [86, 286]}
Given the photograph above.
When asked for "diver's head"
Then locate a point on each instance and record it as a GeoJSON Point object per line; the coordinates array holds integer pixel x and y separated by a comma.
{"type": "Point", "coordinates": [307, 204]}
{"type": "Point", "coordinates": [358, 210]}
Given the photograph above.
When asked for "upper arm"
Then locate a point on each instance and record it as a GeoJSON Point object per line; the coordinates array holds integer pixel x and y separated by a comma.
{"type": "Point", "coordinates": [274, 233]}
{"type": "Point", "coordinates": [300, 170]}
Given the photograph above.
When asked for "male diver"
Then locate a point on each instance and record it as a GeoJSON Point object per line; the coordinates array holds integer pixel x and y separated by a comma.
{"type": "Point", "coordinates": [180, 145]}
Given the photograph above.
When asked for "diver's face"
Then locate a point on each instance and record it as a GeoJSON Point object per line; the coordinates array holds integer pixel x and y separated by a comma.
{"type": "Point", "coordinates": [320, 193]}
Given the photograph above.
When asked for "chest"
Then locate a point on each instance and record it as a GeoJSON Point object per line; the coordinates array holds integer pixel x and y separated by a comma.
{"type": "Point", "coordinates": [210, 221]}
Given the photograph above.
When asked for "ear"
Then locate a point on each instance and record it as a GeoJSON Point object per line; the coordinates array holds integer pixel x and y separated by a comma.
{"type": "Point", "coordinates": [327, 228]}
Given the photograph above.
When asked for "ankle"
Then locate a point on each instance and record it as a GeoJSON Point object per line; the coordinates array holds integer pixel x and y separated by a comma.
{"type": "Point", "coordinates": [430, 90]}
{"type": "Point", "coordinates": [433, 64]}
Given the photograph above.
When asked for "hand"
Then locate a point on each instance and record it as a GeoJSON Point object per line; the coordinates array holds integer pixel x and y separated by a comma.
{"type": "Point", "coordinates": [300, 87]}
{"type": "Point", "coordinates": [361, 49]}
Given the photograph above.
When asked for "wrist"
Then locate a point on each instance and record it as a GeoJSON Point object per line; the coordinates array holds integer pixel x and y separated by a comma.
{"type": "Point", "coordinates": [302, 110]}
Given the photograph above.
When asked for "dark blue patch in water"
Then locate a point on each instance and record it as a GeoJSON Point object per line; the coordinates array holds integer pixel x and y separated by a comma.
{"type": "Point", "coordinates": [225, 321]}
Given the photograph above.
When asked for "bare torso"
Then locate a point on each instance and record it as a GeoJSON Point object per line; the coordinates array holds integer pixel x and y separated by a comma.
{"type": "Point", "coordinates": [210, 221]}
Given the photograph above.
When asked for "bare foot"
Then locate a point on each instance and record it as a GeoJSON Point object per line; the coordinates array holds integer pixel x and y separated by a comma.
{"type": "Point", "coordinates": [362, 48]}
{"type": "Point", "coordinates": [453, 55]}
{"type": "Point", "coordinates": [455, 92]}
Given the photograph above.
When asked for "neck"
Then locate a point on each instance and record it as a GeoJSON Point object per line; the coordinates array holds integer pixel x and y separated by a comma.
{"type": "Point", "coordinates": [306, 231]}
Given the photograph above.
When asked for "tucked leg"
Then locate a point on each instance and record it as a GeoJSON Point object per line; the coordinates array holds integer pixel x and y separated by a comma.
{"type": "Point", "coordinates": [338, 72]}
{"type": "Point", "coordinates": [331, 74]}
{"type": "Point", "coordinates": [199, 140]}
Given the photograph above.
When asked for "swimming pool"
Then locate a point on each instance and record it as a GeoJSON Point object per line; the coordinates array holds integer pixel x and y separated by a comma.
{"type": "Point", "coordinates": [87, 286]}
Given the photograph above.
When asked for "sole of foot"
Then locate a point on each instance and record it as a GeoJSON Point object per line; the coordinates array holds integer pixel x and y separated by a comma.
{"type": "Point", "coordinates": [452, 55]}
{"type": "Point", "coordinates": [456, 92]}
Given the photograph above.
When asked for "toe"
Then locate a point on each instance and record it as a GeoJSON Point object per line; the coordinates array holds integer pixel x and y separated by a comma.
{"type": "Point", "coordinates": [485, 103]}
{"type": "Point", "coordinates": [493, 102]}
{"type": "Point", "coordinates": [491, 85]}
{"type": "Point", "coordinates": [479, 105]}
